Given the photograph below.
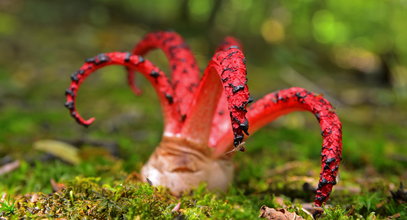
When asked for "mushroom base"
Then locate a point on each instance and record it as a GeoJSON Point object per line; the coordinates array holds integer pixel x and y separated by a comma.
{"type": "Point", "coordinates": [181, 166]}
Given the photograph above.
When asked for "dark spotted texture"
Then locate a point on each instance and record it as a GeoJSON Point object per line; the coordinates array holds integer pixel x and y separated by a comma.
{"type": "Point", "coordinates": [185, 72]}
{"type": "Point", "coordinates": [279, 103]}
{"type": "Point", "coordinates": [161, 84]}
{"type": "Point", "coordinates": [229, 63]}
{"type": "Point", "coordinates": [230, 42]}
{"type": "Point", "coordinates": [221, 121]}
{"type": "Point", "coordinates": [220, 77]}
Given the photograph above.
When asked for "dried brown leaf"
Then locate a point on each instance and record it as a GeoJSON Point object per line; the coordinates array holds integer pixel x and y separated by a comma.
{"type": "Point", "coordinates": [9, 167]}
{"type": "Point", "coordinates": [395, 216]}
{"type": "Point", "coordinates": [278, 214]}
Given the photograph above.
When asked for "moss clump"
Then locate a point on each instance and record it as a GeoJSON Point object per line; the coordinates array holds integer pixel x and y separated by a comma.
{"type": "Point", "coordinates": [87, 197]}
{"type": "Point", "coordinates": [7, 208]}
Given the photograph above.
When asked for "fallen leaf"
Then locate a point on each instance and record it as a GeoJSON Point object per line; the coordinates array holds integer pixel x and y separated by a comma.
{"type": "Point", "coordinates": [381, 204]}
{"type": "Point", "coordinates": [62, 150]}
{"type": "Point", "coordinates": [8, 167]}
{"type": "Point", "coordinates": [397, 215]}
{"type": "Point", "coordinates": [278, 214]}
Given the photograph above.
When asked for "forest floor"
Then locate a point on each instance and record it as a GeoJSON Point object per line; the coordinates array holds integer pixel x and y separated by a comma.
{"type": "Point", "coordinates": [280, 170]}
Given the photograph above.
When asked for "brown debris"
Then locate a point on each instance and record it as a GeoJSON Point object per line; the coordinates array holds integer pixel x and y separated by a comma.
{"type": "Point", "coordinates": [134, 177]}
{"type": "Point", "coordinates": [400, 195]}
{"type": "Point", "coordinates": [278, 214]}
{"type": "Point", "coordinates": [34, 198]}
{"type": "Point", "coordinates": [279, 201]}
{"type": "Point", "coordinates": [312, 210]}
{"type": "Point", "coordinates": [57, 187]}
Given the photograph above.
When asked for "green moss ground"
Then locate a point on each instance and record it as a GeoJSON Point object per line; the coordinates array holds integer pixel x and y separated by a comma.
{"type": "Point", "coordinates": [100, 187]}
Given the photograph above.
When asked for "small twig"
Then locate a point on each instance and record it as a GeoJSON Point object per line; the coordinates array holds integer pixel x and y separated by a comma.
{"type": "Point", "coordinates": [149, 181]}
{"type": "Point", "coordinates": [177, 207]}
{"type": "Point", "coordinates": [241, 147]}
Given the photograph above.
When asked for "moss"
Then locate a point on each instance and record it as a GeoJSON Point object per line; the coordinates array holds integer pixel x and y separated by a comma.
{"type": "Point", "coordinates": [99, 188]}
{"type": "Point", "coordinates": [125, 199]}
{"type": "Point", "coordinates": [88, 197]}
{"type": "Point", "coordinates": [7, 208]}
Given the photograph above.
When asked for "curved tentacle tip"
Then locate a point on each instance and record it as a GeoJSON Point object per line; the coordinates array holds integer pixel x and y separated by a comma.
{"type": "Point", "coordinates": [88, 122]}
{"type": "Point", "coordinates": [85, 123]}
{"type": "Point", "coordinates": [131, 79]}
{"type": "Point", "coordinates": [136, 90]}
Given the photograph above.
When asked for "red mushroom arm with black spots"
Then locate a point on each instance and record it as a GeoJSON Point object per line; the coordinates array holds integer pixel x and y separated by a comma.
{"type": "Point", "coordinates": [156, 77]}
{"type": "Point", "coordinates": [226, 73]}
{"type": "Point", "coordinates": [185, 71]}
{"type": "Point", "coordinates": [229, 42]}
{"type": "Point", "coordinates": [285, 101]}
{"type": "Point", "coordinates": [221, 119]}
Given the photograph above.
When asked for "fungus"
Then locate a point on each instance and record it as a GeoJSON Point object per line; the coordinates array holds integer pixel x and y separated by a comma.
{"type": "Point", "coordinates": [198, 136]}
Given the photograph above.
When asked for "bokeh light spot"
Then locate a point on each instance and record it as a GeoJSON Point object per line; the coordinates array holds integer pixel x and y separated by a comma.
{"type": "Point", "coordinates": [273, 31]}
{"type": "Point", "coordinates": [8, 24]}
{"type": "Point", "coordinates": [200, 9]}
{"type": "Point", "coordinates": [327, 29]}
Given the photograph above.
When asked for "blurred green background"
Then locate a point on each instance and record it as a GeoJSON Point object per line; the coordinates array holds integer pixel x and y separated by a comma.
{"type": "Point", "coordinates": [352, 51]}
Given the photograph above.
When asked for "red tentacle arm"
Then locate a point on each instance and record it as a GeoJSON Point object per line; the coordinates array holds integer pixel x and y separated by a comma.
{"type": "Point", "coordinates": [131, 81]}
{"type": "Point", "coordinates": [156, 77]}
{"type": "Point", "coordinates": [285, 101]}
{"type": "Point", "coordinates": [221, 119]}
{"type": "Point", "coordinates": [185, 71]}
{"type": "Point", "coordinates": [229, 42]}
{"type": "Point", "coordinates": [226, 73]}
